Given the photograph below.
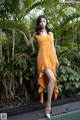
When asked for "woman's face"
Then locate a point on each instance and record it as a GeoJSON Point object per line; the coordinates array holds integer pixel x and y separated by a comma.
{"type": "Point", "coordinates": [43, 23]}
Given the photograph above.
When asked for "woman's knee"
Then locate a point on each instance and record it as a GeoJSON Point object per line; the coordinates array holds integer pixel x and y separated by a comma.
{"type": "Point", "coordinates": [50, 74]}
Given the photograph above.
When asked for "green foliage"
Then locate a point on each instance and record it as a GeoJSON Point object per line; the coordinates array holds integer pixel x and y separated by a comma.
{"type": "Point", "coordinates": [65, 24]}
{"type": "Point", "coordinates": [69, 70]}
{"type": "Point", "coordinates": [18, 74]}
{"type": "Point", "coordinates": [69, 18]}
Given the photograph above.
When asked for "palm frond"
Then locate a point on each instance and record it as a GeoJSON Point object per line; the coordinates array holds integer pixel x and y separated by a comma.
{"type": "Point", "coordinates": [69, 18]}
{"type": "Point", "coordinates": [14, 25]}
{"type": "Point", "coordinates": [31, 7]}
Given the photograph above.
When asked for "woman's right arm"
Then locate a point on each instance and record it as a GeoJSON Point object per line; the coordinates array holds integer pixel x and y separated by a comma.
{"type": "Point", "coordinates": [27, 41]}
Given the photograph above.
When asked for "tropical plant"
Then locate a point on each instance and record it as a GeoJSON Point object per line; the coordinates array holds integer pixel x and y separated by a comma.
{"type": "Point", "coordinates": [18, 70]}
{"type": "Point", "coordinates": [13, 20]}
{"type": "Point", "coordinates": [64, 21]}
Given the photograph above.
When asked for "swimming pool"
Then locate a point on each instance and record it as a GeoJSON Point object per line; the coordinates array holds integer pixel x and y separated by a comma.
{"type": "Point", "coordinates": [73, 115]}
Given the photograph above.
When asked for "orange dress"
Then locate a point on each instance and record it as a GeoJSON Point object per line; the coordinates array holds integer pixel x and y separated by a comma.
{"type": "Point", "coordinates": [46, 59]}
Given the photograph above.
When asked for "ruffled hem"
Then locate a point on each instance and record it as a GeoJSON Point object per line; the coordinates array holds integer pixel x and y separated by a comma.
{"type": "Point", "coordinates": [43, 82]}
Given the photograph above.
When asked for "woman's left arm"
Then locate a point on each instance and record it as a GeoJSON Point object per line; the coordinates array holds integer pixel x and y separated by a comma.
{"type": "Point", "coordinates": [55, 53]}
{"type": "Point", "coordinates": [57, 62]}
{"type": "Point", "coordinates": [53, 46]}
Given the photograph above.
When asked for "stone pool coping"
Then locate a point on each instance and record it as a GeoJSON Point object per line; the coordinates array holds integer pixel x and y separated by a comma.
{"type": "Point", "coordinates": [36, 109]}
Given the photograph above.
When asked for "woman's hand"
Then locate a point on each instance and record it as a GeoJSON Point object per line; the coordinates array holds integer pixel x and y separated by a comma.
{"type": "Point", "coordinates": [27, 41]}
{"type": "Point", "coordinates": [22, 32]}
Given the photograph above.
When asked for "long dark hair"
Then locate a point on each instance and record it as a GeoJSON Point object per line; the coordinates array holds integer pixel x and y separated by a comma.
{"type": "Point", "coordinates": [38, 27]}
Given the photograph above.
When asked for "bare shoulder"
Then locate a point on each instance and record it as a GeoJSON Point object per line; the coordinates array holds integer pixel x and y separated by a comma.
{"type": "Point", "coordinates": [35, 36]}
{"type": "Point", "coordinates": [51, 33]}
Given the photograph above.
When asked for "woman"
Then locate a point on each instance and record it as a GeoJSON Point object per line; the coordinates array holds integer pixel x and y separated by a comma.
{"type": "Point", "coordinates": [46, 61]}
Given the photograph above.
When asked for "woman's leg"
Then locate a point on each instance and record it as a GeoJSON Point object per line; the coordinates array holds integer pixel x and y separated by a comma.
{"type": "Point", "coordinates": [52, 79]}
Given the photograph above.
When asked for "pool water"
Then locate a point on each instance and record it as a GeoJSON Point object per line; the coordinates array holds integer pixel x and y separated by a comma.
{"type": "Point", "coordinates": [73, 115]}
